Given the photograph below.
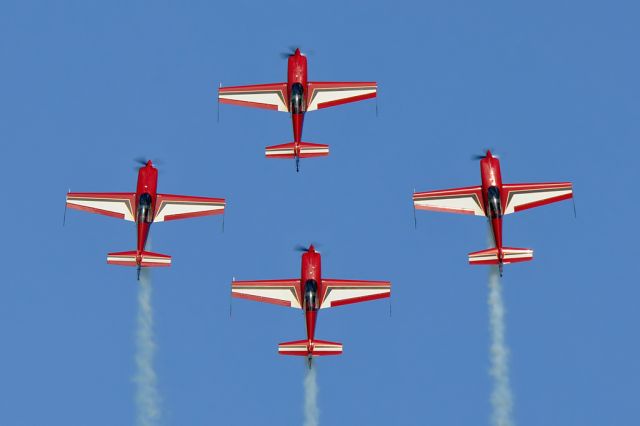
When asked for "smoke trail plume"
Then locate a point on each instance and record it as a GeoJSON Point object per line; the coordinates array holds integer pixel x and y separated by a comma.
{"type": "Point", "coordinates": [501, 398]}
{"type": "Point", "coordinates": [311, 411]}
{"type": "Point", "coordinates": [147, 396]}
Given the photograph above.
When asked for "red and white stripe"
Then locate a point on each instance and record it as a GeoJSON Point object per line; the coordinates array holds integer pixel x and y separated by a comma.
{"type": "Point", "coordinates": [113, 204]}
{"type": "Point", "coordinates": [305, 150]}
{"type": "Point", "coordinates": [509, 255]}
{"type": "Point", "coordinates": [328, 94]}
{"type": "Point", "coordinates": [267, 96]}
{"type": "Point", "coordinates": [130, 258]}
{"type": "Point", "coordinates": [172, 207]}
{"type": "Point", "coordinates": [344, 292]}
{"type": "Point", "coordinates": [524, 196]}
{"type": "Point", "coordinates": [316, 348]}
{"type": "Point", "coordinates": [466, 200]}
{"type": "Point", "coordinates": [277, 292]}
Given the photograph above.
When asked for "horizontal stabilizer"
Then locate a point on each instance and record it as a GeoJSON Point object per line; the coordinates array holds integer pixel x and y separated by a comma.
{"type": "Point", "coordinates": [301, 150]}
{"type": "Point", "coordinates": [492, 257]}
{"type": "Point", "coordinates": [131, 258]}
{"type": "Point", "coordinates": [306, 348]}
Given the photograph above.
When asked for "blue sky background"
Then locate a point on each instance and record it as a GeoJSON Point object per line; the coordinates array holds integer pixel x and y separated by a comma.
{"type": "Point", "coordinates": [551, 85]}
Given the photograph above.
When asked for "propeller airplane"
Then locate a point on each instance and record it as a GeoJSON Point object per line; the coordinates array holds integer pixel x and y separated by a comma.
{"type": "Point", "coordinates": [145, 206]}
{"type": "Point", "coordinates": [310, 293]}
{"type": "Point", "coordinates": [494, 199]}
{"type": "Point", "coordinates": [297, 96]}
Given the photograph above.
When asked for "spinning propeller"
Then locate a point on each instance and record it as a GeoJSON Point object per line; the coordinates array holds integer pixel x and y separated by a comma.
{"type": "Point", "coordinates": [142, 161]}
{"type": "Point", "coordinates": [289, 52]}
{"type": "Point", "coordinates": [292, 51]}
{"type": "Point", "coordinates": [481, 156]}
{"type": "Point", "coordinates": [304, 249]}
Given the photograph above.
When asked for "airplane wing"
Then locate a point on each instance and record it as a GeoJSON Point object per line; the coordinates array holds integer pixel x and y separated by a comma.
{"type": "Point", "coordinates": [114, 204]}
{"type": "Point", "coordinates": [279, 292]}
{"type": "Point", "coordinates": [267, 96]}
{"type": "Point", "coordinates": [522, 196]}
{"type": "Point", "coordinates": [344, 292]}
{"type": "Point", "coordinates": [325, 95]}
{"type": "Point", "coordinates": [459, 200]}
{"type": "Point", "coordinates": [172, 207]}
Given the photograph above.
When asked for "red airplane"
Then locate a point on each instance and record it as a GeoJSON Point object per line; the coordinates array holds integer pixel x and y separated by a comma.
{"type": "Point", "coordinates": [494, 199]}
{"type": "Point", "coordinates": [297, 96]}
{"type": "Point", "coordinates": [311, 292]}
{"type": "Point", "coordinates": [145, 207]}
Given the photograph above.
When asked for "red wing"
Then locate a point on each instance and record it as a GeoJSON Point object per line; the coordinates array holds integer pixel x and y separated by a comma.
{"type": "Point", "coordinates": [278, 292]}
{"type": "Point", "coordinates": [459, 200]}
{"type": "Point", "coordinates": [328, 94]}
{"type": "Point", "coordinates": [172, 207]}
{"type": "Point", "coordinates": [267, 96]}
{"type": "Point", "coordinates": [344, 292]}
{"type": "Point", "coordinates": [114, 204]}
{"type": "Point", "coordinates": [522, 196]}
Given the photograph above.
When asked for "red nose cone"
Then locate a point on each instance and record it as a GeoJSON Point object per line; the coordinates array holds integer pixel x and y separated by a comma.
{"type": "Point", "coordinates": [149, 163]}
{"type": "Point", "coordinates": [489, 154]}
{"type": "Point", "coordinates": [312, 249]}
{"type": "Point", "coordinates": [297, 52]}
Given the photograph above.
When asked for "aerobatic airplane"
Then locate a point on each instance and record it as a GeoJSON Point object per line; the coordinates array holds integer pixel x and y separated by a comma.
{"type": "Point", "coordinates": [494, 199]}
{"type": "Point", "coordinates": [145, 207]}
{"type": "Point", "coordinates": [297, 96]}
{"type": "Point", "coordinates": [310, 293]}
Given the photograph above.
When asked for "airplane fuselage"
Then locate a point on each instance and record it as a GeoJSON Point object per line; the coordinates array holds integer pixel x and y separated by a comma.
{"type": "Point", "coordinates": [296, 91]}
{"type": "Point", "coordinates": [311, 289]}
{"type": "Point", "coordinates": [145, 204]}
{"type": "Point", "coordinates": [491, 194]}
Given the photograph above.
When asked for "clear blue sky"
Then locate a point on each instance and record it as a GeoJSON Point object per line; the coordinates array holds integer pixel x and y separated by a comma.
{"type": "Point", "coordinates": [551, 85]}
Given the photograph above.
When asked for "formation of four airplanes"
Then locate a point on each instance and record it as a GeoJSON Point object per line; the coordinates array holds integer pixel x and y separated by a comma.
{"type": "Point", "coordinates": [312, 291]}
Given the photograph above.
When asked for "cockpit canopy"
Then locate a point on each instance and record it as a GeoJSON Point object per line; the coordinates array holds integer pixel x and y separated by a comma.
{"type": "Point", "coordinates": [297, 99]}
{"type": "Point", "coordinates": [145, 212]}
{"type": "Point", "coordinates": [495, 204]}
{"type": "Point", "coordinates": [311, 295]}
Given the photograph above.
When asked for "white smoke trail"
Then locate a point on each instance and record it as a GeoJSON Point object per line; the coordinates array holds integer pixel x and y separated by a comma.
{"type": "Point", "coordinates": [501, 398]}
{"type": "Point", "coordinates": [147, 396]}
{"type": "Point", "coordinates": [311, 411]}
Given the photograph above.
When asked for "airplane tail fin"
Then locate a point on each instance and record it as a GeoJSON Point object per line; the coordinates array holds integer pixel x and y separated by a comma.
{"type": "Point", "coordinates": [302, 150]}
{"type": "Point", "coordinates": [310, 348]}
{"type": "Point", "coordinates": [492, 256]}
{"type": "Point", "coordinates": [144, 259]}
